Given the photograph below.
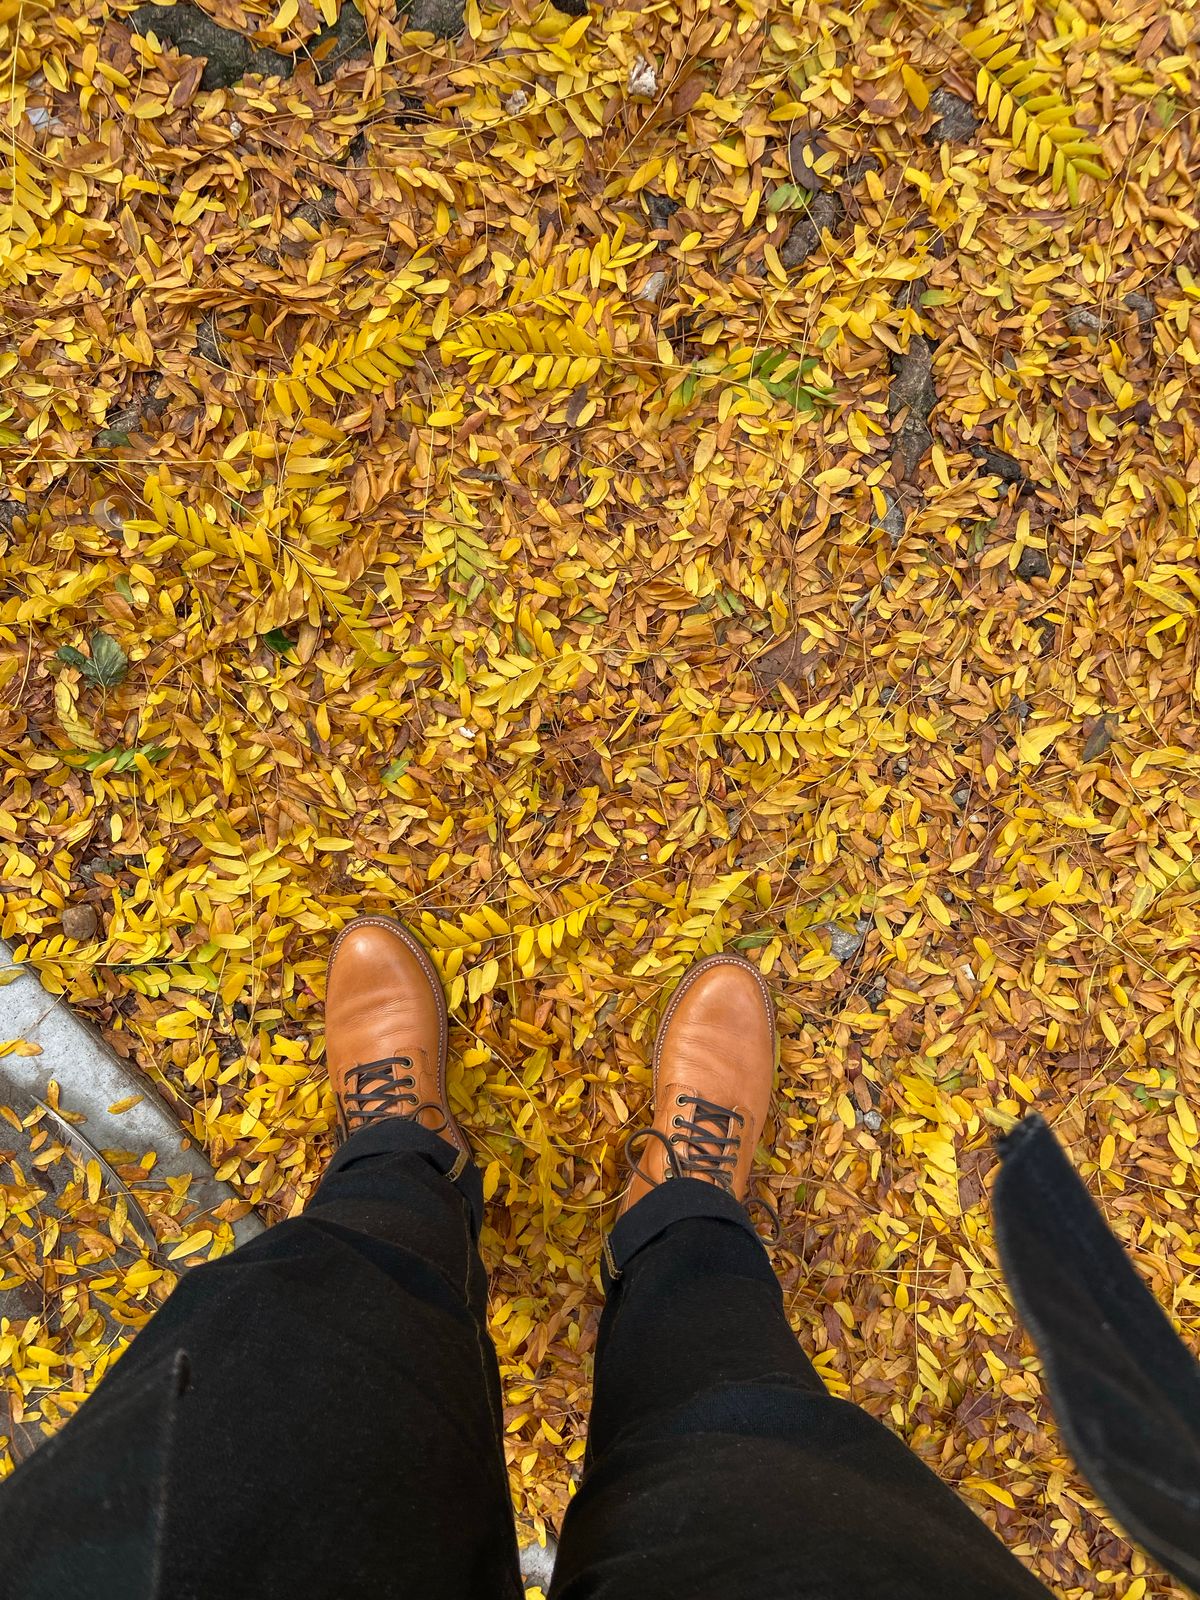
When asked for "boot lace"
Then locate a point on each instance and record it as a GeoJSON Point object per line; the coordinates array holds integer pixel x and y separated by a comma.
{"type": "Point", "coordinates": [375, 1089]}
{"type": "Point", "coordinates": [704, 1144]}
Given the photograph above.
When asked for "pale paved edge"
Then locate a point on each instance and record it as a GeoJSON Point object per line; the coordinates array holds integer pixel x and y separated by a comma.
{"type": "Point", "coordinates": [93, 1077]}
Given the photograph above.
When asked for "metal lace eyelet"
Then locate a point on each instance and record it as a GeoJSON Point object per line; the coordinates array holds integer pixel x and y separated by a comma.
{"type": "Point", "coordinates": [677, 1122]}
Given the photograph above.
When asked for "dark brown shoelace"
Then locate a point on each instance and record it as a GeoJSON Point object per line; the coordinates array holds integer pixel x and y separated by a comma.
{"type": "Point", "coordinates": [380, 1091]}
{"type": "Point", "coordinates": [705, 1146]}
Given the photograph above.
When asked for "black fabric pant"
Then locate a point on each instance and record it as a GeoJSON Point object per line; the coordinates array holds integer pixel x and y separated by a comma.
{"type": "Point", "coordinates": [319, 1415]}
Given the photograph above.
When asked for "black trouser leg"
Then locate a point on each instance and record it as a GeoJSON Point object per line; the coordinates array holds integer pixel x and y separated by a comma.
{"type": "Point", "coordinates": [317, 1414]}
{"type": "Point", "coordinates": [719, 1467]}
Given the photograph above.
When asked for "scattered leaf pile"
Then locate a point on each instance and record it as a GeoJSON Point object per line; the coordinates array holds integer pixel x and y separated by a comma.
{"type": "Point", "coordinates": [610, 487]}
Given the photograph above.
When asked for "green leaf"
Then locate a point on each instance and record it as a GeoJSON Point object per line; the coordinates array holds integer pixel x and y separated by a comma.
{"type": "Point", "coordinates": [765, 363]}
{"type": "Point", "coordinates": [278, 641]}
{"type": "Point", "coordinates": [111, 439]}
{"type": "Point", "coordinates": [109, 663]}
{"type": "Point", "coordinates": [394, 769]}
{"type": "Point", "coordinates": [122, 759]}
{"type": "Point", "coordinates": [782, 375]}
{"type": "Point", "coordinates": [123, 589]}
{"type": "Point", "coordinates": [687, 389]}
{"type": "Point", "coordinates": [73, 657]}
{"type": "Point", "coordinates": [787, 197]}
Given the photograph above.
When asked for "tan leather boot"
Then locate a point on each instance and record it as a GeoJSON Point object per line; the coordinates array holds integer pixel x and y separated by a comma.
{"type": "Point", "coordinates": [714, 1061]}
{"type": "Point", "coordinates": [386, 1030]}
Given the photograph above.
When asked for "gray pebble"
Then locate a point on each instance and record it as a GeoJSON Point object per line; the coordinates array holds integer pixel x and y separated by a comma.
{"type": "Point", "coordinates": [956, 118]}
{"type": "Point", "coordinates": [893, 520]}
{"type": "Point", "coordinates": [843, 943]}
{"type": "Point", "coordinates": [653, 287]}
{"type": "Point", "coordinates": [1082, 321]}
{"type": "Point", "coordinates": [442, 18]}
{"type": "Point", "coordinates": [537, 1560]}
{"type": "Point", "coordinates": [1141, 304]}
{"type": "Point", "coordinates": [1033, 564]}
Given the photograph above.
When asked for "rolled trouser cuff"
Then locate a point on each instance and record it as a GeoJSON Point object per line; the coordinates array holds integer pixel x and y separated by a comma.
{"type": "Point", "coordinates": [673, 1200]}
{"type": "Point", "coordinates": [393, 1136]}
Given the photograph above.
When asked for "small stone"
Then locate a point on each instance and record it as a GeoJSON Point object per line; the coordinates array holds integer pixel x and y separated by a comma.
{"type": "Point", "coordinates": [1033, 564]}
{"type": "Point", "coordinates": [1142, 305]}
{"type": "Point", "coordinates": [857, 170]}
{"type": "Point", "coordinates": [105, 866]}
{"type": "Point", "coordinates": [871, 1120]}
{"type": "Point", "coordinates": [1047, 631]}
{"type": "Point", "coordinates": [913, 394]}
{"type": "Point", "coordinates": [1082, 321]}
{"type": "Point", "coordinates": [912, 440]}
{"type": "Point", "coordinates": [537, 1562]}
{"type": "Point", "coordinates": [661, 208]}
{"type": "Point", "coordinates": [843, 942]}
{"type": "Point", "coordinates": [825, 211]}
{"type": "Point", "coordinates": [956, 118]}
{"type": "Point", "coordinates": [876, 992]}
{"type": "Point", "coordinates": [653, 287]}
{"type": "Point", "coordinates": [961, 795]}
{"type": "Point", "coordinates": [1000, 465]}
{"type": "Point", "coordinates": [643, 79]}
{"type": "Point", "coordinates": [799, 244]}
{"type": "Point", "coordinates": [912, 379]}
{"type": "Point", "coordinates": [442, 18]}
{"type": "Point", "coordinates": [208, 341]}
{"type": "Point", "coordinates": [516, 102]}
{"type": "Point", "coordinates": [79, 922]}
{"type": "Point", "coordinates": [893, 519]}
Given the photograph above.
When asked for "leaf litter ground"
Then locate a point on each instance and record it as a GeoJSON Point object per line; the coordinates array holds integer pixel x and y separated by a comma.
{"type": "Point", "coordinates": [610, 488]}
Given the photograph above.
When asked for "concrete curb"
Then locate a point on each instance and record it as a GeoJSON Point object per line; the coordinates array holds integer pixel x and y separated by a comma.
{"type": "Point", "coordinates": [92, 1077]}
